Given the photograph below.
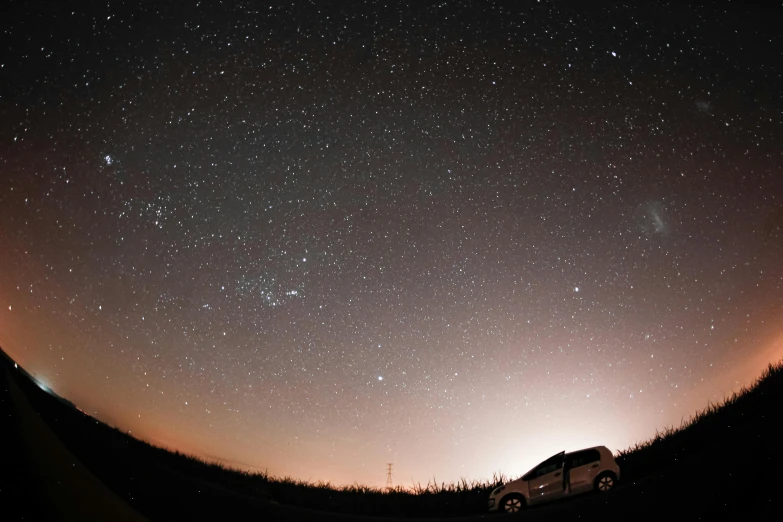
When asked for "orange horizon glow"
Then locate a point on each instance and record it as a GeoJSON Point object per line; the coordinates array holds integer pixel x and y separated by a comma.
{"type": "Point", "coordinates": [495, 448]}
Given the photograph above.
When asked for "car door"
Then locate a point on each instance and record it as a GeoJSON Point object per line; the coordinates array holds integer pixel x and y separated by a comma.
{"type": "Point", "coordinates": [584, 466]}
{"type": "Point", "coordinates": [545, 481]}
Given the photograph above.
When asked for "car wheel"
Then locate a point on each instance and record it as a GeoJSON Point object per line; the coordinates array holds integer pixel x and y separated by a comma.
{"type": "Point", "coordinates": [605, 482]}
{"type": "Point", "coordinates": [512, 504]}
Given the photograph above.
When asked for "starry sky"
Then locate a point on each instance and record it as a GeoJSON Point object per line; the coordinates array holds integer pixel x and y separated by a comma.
{"type": "Point", "coordinates": [317, 237]}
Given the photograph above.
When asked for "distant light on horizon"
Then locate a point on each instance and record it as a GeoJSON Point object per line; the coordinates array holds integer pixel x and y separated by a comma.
{"type": "Point", "coordinates": [44, 386]}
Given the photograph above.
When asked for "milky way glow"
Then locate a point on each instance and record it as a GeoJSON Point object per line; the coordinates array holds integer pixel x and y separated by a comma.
{"type": "Point", "coordinates": [314, 239]}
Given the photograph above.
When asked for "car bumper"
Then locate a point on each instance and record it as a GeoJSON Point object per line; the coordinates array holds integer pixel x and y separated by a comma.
{"type": "Point", "coordinates": [492, 504]}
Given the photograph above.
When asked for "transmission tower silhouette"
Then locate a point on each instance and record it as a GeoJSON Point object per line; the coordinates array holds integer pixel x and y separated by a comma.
{"type": "Point", "coordinates": [389, 468]}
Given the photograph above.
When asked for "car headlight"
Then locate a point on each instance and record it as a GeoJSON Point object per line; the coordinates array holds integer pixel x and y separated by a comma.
{"type": "Point", "coordinates": [498, 490]}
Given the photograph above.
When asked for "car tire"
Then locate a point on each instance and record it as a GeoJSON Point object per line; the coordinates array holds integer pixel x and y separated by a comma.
{"type": "Point", "coordinates": [513, 503]}
{"type": "Point", "coordinates": [604, 482]}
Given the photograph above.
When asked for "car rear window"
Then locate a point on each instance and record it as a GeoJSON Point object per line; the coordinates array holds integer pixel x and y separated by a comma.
{"type": "Point", "coordinates": [580, 458]}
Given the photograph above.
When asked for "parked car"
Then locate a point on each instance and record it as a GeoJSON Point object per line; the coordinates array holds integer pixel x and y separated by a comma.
{"type": "Point", "coordinates": [560, 476]}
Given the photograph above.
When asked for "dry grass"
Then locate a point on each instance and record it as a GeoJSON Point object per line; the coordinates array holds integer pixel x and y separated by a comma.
{"type": "Point", "coordinates": [715, 425]}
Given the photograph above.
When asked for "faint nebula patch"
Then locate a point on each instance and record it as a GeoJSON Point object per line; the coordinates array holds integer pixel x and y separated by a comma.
{"type": "Point", "coordinates": [653, 219]}
{"type": "Point", "coordinates": [704, 106]}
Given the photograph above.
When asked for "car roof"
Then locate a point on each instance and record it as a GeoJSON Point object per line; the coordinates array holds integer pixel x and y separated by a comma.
{"type": "Point", "coordinates": [599, 448]}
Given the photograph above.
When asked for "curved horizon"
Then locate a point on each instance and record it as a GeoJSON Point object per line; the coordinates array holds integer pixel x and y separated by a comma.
{"type": "Point", "coordinates": [316, 240]}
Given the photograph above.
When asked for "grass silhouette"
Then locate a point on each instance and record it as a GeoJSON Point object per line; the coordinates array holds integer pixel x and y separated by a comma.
{"type": "Point", "coordinates": [741, 417]}
{"type": "Point", "coordinates": [137, 469]}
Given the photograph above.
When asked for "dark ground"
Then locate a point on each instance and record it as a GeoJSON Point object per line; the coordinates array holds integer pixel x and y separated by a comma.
{"type": "Point", "coordinates": [59, 464]}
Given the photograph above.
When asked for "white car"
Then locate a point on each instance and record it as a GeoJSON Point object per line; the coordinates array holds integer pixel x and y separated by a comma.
{"type": "Point", "coordinates": [560, 476]}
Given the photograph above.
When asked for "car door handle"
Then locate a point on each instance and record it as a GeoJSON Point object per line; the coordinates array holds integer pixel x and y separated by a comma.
{"type": "Point", "coordinates": [595, 465]}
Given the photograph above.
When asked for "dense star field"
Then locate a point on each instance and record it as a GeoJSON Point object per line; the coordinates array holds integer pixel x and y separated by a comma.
{"type": "Point", "coordinates": [315, 238]}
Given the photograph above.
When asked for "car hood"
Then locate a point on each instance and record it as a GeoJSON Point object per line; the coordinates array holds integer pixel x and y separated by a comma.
{"type": "Point", "coordinates": [515, 485]}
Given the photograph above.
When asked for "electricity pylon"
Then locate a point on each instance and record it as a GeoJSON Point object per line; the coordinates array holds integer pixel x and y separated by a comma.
{"type": "Point", "coordinates": [389, 468]}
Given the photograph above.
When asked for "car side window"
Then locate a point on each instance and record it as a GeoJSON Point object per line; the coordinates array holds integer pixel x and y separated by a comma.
{"type": "Point", "coordinates": [548, 466]}
{"type": "Point", "coordinates": [581, 458]}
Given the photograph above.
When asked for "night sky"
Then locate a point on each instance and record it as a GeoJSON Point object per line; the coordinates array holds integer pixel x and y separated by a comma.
{"type": "Point", "coordinates": [318, 237]}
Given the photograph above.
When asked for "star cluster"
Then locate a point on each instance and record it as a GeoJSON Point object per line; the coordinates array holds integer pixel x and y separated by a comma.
{"type": "Point", "coordinates": [318, 238]}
